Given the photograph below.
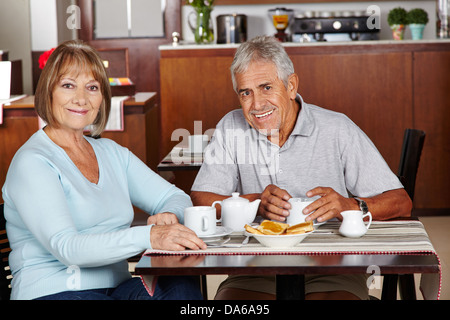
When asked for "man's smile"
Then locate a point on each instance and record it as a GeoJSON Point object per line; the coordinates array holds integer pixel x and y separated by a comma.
{"type": "Point", "coordinates": [268, 113]}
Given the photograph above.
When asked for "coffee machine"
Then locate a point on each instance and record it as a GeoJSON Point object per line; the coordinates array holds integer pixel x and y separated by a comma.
{"type": "Point", "coordinates": [280, 18]}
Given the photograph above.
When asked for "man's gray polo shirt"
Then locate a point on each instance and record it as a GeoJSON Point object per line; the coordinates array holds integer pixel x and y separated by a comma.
{"type": "Point", "coordinates": [324, 149]}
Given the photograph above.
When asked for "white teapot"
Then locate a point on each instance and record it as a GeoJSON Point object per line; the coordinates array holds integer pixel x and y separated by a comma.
{"type": "Point", "coordinates": [237, 211]}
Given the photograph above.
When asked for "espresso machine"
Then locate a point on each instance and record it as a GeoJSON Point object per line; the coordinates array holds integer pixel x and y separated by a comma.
{"type": "Point", "coordinates": [333, 26]}
{"type": "Point", "coordinates": [280, 18]}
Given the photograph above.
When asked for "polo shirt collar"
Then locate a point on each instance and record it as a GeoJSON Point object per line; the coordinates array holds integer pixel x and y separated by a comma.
{"type": "Point", "coordinates": [304, 125]}
{"type": "Point", "coordinates": [305, 122]}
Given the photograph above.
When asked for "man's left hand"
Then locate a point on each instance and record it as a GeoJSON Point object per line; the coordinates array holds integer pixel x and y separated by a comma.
{"type": "Point", "coordinates": [329, 205]}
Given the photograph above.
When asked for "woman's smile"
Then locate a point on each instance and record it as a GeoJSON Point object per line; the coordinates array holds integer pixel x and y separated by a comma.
{"type": "Point", "coordinates": [82, 112]}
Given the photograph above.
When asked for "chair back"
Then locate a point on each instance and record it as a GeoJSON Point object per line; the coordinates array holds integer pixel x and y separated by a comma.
{"type": "Point", "coordinates": [409, 160]}
{"type": "Point", "coordinates": [5, 272]}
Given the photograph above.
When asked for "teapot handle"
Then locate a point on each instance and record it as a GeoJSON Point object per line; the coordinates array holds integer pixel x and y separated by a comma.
{"type": "Point", "coordinates": [370, 219]}
{"type": "Point", "coordinates": [213, 205]}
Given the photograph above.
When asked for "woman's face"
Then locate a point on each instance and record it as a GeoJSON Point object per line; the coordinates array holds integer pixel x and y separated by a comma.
{"type": "Point", "coordinates": [76, 100]}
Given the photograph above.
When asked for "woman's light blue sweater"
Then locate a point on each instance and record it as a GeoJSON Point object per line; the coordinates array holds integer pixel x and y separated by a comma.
{"type": "Point", "coordinates": [67, 233]}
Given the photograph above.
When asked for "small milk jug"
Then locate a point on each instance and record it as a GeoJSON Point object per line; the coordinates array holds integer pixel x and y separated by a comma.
{"type": "Point", "coordinates": [353, 225]}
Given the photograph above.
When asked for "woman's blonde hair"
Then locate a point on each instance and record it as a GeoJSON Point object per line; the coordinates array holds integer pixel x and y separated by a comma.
{"type": "Point", "coordinates": [69, 55]}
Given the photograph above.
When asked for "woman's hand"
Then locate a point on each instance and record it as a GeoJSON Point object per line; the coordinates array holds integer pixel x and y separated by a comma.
{"type": "Point", "coordinates": [175, 237]}
{"type": "Point", "coordinates": [162, 218]}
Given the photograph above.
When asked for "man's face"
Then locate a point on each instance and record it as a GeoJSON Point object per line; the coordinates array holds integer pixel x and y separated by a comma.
{"type": "Point", "coordinates": [268, 105]}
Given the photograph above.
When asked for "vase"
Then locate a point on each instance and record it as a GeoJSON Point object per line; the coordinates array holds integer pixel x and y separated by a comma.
{"type": "Point", "coordinates": [202, 27]}
{"type": "Point", "coordinates": [398, 31]}
{"type": "Point", "coordinates": [416, 31]}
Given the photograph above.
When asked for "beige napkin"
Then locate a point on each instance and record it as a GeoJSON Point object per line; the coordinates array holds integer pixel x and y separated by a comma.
{"type": "Point", "coordinates": [149, 283]}
{"type": "Point", "coordinates": [115, 120]}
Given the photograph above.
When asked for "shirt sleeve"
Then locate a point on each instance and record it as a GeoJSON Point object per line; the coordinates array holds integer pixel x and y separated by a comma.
{"type": "Point", "coordinates": [366, 172]}
{"type": "Point", "coordinates": [38, 199]}
{"type": "Point", "coordinates": [35, 193]}
{"type": "Point", "coordinates": [153, 194]}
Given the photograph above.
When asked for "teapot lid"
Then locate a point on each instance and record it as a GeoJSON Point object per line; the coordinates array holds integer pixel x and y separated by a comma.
{"type": "Point", "coordinates": [235, 199]}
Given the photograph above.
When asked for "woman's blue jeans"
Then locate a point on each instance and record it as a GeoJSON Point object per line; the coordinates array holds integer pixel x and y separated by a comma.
{"type": "Point", "coordinates": [167, 288]}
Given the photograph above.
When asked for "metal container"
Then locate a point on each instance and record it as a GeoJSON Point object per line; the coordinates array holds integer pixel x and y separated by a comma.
{"type": "Point", "coordinates": [443, 19]}
{"type": "Point", "coordinates": [231, 28]}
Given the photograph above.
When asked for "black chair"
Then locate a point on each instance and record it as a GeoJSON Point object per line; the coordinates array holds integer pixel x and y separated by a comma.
{"type": "Point", "coordinates": [5, 273]}
{"type": "Point", "coordinates": [413, 141]}
{"type": "Point", "coordinates": [409, 160]}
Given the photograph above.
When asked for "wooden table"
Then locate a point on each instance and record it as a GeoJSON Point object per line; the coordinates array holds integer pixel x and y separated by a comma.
{"type": "Point", "coordinates": [177, 159]}
{"type": "Point", "coordinates": [290, 267]}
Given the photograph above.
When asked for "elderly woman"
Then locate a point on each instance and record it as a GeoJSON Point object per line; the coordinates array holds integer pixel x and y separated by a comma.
{"type": "Point", "coordinates": [69, 197]}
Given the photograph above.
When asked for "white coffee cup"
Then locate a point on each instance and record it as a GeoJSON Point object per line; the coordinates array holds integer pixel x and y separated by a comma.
{"type": "Point", "coordinates": [296, 214]}
{"type": "Point", "coordinates": [197, 143]}
{"type": "Point", "coordinates": [201, 219]}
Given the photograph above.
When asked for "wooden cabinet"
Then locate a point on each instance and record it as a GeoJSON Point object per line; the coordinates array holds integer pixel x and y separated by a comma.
{"type": "Point", "coordinates": [384, 87]}
{"type": "Point", "coordinates": [359, 86]}
{"type": "Point", "coordinates": [431, 110]}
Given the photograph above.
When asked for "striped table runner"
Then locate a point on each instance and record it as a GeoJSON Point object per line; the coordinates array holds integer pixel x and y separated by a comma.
{"type": "Point", "coordinates": [395, 237]}
{"type": "Point", "coordinates": [383, 237]}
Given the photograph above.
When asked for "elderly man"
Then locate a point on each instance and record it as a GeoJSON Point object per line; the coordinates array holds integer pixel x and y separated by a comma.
{"type": "Point", "coordinates": [277, 147]}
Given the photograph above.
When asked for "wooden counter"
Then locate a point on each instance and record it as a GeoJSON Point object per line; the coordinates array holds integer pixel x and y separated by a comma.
{"type": "Point", "coordinates": [140, 134]}
{"type": "Point", "coordinates": [383, 86]}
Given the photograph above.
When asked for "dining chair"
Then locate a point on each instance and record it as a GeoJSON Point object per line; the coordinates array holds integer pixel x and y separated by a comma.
{"type": "Point", "coordinates": [413, 141]}
{"type": "Point", "coordinates": [412, 146]}
{"type": "Point", "coordinates": [5, 272]}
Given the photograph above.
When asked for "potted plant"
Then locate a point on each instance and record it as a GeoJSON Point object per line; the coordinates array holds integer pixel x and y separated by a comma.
{"type": "Point", "coordinates": [417, 19]}
{"type": "Point", "coordinates": [397, 21]}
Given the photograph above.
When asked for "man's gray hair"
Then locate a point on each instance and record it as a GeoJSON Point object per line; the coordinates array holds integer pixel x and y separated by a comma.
{"type": "Point", "coordinates": [266, 49]}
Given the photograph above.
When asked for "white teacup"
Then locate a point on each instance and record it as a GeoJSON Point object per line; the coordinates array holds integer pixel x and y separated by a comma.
{"type": "Point", "coordinates": [198, 143]}
{"type": "Point", "coordinates": [296, 214]}
{"type": "Point", "coordinates": [201, 219]}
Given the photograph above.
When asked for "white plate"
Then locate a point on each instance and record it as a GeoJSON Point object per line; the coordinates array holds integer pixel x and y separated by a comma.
{"type": "Point", "coordinates": [220, 232]}
{"type": "Point", "coordinates": [279, 241]}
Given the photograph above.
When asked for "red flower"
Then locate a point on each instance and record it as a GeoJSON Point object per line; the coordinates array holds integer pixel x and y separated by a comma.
{"type": "Point", "coordinates": [44, 57]}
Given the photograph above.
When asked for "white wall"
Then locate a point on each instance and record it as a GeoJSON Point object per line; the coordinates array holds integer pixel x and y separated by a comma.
{"type": "Point", "coordinates": [32, 25]}
{"type": "Point", "coordinates": [258, 22]}
{"type": "Point", "coordinates": [15, 35]}
{"type": "Point", "coordinates": [44, 31]}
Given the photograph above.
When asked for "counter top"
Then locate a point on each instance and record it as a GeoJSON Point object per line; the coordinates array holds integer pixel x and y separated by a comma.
{"type": "Point", "coordinates": [141, 102]}
{"type": "Point", "coordinates": [193, 46]}
{"type": "Point", "coordinates": [27, 102]}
